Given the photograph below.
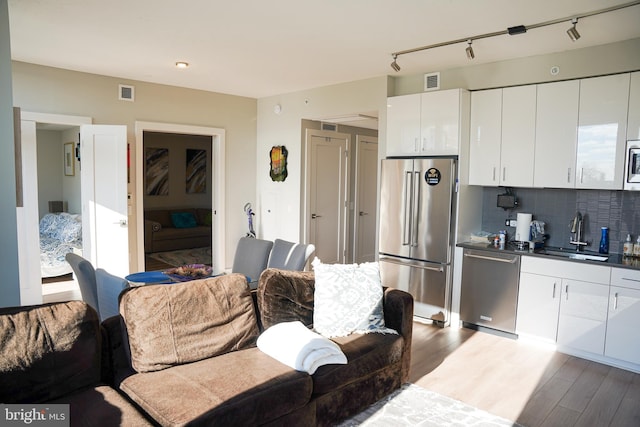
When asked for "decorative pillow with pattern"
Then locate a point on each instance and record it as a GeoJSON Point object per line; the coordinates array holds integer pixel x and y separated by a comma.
{"type": "Point", "coordinates": [348, 299]}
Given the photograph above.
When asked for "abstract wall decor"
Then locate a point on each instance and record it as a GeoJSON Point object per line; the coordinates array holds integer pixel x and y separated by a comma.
{"type": "Point", "coordinates": [278, 169]}
{"type": "Point", "coordinates": [196, 171]}
{"type": "Point", "coordinates": [156, 171]}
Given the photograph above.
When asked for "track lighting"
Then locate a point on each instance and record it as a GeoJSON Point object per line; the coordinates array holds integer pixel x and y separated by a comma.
{"type": "Point", "coordinates": [394, 64]}
{"type": "Point", "coordinates": [573, 31]}
{"type": "Point", "coordinates": [517, 29]}
{"type": "Point", "coordinates": [469, 50]}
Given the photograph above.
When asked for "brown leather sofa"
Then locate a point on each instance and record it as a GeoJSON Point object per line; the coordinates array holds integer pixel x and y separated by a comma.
{"type": "Point", "coordinates": [186, 354]}
{"type": "Point", "coordinates": [161, 233]}
{"type": "Point", "coordinates": [52, 354]}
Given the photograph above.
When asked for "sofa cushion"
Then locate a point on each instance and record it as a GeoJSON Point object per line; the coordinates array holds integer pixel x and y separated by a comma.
{"type": "Point", "coordinates": [183, 220]}
{"type": "Point", "coordinates": [366, 354]}
{"type": "Point", "coordinates": [162, 216]}
{"type": "Point", "coordinates": [169, 325]}
{"type": "Point", "coordinates": [48, 351]}
{"type": "Point", "coordinates": [102, 405]}
{"type": "Point", "coordinates": [285, 296]}
{"type": "Point", "coordinates": [244, 387]}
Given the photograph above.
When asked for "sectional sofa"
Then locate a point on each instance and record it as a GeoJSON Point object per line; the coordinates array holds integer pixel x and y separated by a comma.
{"type": "Point", "coordinates": [186, 354]}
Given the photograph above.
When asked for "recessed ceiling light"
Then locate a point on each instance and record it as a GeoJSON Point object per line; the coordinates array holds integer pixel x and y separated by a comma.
{"type": "Point", "coordinates": [182, 64]}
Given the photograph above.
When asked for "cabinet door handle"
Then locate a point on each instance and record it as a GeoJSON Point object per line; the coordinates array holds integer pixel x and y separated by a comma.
{"type": "Point", "coordinates": [554, 290]}
{"type": "Point", "coordinates": [568, 175]}
{"type": "Point", "coordinates": [581, 175]}
{"type": "Point", "coordinates": [504, 173]}
{"type": "Point", "coordinates": [494, 174]}
{"type": "Point", "coordinates": [631, 280]}
{"type": "Point", "coordinates": [566, 291]}
{"type": "Point", "coordinates": [615, 301]}
{"type": "Point", "coordinates": [415, 145]}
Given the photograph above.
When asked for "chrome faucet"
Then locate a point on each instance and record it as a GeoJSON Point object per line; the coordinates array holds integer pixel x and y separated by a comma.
{"type": "Point", "coordinates": [577, 229]}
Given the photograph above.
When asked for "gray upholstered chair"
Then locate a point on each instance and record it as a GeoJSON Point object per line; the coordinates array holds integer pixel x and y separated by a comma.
{"type": "Point", "coordinates": [251, 258]}
{"type": "Point", "coordinates": [289, 255]}
{"type": "Point", "coordinates": [86, 277]}
{"type": "Point", "coordinates": [109, 288]}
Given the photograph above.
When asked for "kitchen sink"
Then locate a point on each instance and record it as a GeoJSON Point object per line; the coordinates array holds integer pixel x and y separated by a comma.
{"type": "Point", "coordinates": [572, 254]}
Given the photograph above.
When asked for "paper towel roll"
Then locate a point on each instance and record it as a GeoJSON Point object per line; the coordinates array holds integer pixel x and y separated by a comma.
{"type": "Point", "coordinates": [523, 227]}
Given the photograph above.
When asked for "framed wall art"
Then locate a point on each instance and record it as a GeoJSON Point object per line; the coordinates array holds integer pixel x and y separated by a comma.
{"type": "Point", "coordinates": [156, 171]}
{"type": "Point", "coordinates": [278, 157]}
{"type": "Point", "coordinates": [196, 171]}
{"type": "Point", "coordinates": [69, 159]}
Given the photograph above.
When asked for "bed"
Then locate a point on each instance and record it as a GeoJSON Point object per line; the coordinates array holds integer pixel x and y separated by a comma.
{"type": "Point", "coordinates": [60, 233]}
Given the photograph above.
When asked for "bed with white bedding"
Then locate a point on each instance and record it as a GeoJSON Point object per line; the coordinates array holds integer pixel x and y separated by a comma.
{"type": "Point", "coordinates": [60, 233]}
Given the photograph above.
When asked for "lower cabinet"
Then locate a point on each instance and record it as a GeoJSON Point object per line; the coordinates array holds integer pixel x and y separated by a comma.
{"type": "Point", "coordinates": [583, 315]}
{"type": "Point", "coordinates": [538, 306]}
{"type": "Point", "coordinates": [623, 324]}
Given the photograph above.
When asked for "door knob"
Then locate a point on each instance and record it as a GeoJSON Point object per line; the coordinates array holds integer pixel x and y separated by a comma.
{"type": "Point", "coordinates": [314, 216]}
{"type": "Point", "coordinates": [363, 213]}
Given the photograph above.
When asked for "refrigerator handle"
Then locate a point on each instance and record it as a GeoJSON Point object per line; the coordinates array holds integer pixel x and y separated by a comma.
{"type": "Point", "coordinates": [407, 208]}
{"type": "Point", "coordinates": [416, 207]}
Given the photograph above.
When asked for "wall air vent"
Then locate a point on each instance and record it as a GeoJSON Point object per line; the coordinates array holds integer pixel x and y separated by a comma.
{"type": "Point", "coordinates": [329, 126]}
{"type": "Point", "coordinates": [431, 81]}
{"type": "Point", "coordinates": [126, 93]}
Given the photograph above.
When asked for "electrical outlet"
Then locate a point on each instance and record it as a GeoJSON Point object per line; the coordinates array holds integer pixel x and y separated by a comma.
{"type": "Point", "coordinates": [512, 223]}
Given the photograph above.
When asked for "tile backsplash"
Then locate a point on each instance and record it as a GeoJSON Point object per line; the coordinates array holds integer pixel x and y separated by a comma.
{"type": "Point", "coordinates": [618, 210]}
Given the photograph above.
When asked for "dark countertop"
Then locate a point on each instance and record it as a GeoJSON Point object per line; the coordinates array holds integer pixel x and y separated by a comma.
{"type": "Point", "coordinates": [615, 260]}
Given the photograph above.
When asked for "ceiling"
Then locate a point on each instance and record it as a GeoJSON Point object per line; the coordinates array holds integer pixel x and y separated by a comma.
{"type": "Point", "coordinates": [259, 48]}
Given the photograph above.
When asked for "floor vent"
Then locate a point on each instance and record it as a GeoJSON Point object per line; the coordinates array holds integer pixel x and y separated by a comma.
{"type": "Point", "coordinates": [431, 81]}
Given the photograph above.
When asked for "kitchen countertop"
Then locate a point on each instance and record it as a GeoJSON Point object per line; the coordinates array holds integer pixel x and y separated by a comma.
{"type": "Point", "coordinates": [615, 260]}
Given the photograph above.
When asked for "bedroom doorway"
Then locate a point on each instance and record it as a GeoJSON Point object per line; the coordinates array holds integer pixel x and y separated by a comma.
{"type": "Point", "coordinates": [176, 146]}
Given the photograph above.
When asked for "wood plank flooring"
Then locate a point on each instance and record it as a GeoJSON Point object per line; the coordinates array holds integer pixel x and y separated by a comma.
{"type": "Point", "coordinates": [523, 381]}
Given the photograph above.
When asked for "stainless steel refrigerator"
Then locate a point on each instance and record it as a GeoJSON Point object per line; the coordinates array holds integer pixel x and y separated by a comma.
{"type": "Point", "coordinates": [417, 208]}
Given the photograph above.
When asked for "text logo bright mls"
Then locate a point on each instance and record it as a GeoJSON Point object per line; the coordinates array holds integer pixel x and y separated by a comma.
{"type": "Point", "coordinates": [36, 415]}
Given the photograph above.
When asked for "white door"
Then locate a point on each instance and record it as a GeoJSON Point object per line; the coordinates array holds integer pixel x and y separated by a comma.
{"type": "Point", "coordinates": [327, 194]}
{"type": "Point", "coordinates": [103, 162]}
{"type": "Point", "coordinates": [366, 198]}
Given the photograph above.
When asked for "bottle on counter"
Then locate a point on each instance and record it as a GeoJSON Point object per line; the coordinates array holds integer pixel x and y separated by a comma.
{"type": "Point", "coordinates": [636, 248]}
{"type": "Point", "coordinates": [604, 241]}
{"type": "Point", "coordinates": [627, 248]}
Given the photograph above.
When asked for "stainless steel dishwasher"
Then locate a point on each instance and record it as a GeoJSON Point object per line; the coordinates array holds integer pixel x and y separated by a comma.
{"type": "Point", "coordinates": [489, 294]}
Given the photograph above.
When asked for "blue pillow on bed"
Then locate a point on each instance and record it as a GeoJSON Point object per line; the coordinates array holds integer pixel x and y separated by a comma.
{"type": "Point", "coordinates": [183, 220]}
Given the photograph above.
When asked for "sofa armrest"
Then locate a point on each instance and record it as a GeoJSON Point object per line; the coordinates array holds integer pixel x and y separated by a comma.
{"type": "Point", "coordinates": [149, 228]}
{"type": "Point", "coordinates": [398, 315]}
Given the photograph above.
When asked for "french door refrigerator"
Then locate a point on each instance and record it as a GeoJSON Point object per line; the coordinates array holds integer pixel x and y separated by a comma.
{"type": "Point", "coordinates": [417, 205]}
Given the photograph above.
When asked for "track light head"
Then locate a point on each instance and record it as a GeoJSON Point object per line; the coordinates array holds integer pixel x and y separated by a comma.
{"type": "Point", "coordinates": [469, 50]}
{"type": "Point", "coordinates": [573, 31]}
{"type": "Point", "coordinates": [394, 64]}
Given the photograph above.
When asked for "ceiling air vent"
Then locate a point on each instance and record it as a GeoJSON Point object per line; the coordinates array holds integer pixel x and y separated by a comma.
{"type": "Point", "coordinates": [431, 81]}
{"type": "Point", "coordinates": [329, 126]}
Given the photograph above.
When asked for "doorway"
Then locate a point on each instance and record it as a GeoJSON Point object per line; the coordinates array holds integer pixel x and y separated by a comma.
{"type": "Point", "coordinates": [216, 141]}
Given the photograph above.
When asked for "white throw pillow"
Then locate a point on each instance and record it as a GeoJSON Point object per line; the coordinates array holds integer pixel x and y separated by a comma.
{"type": "Point", "coordinates": [347, 299]}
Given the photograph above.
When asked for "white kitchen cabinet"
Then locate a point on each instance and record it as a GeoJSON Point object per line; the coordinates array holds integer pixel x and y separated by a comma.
{"type": "Point", "coordinates": [556, 134]}
{"type": "Point", "coordinates": [623, 333]}
{"type": "Point", "coordinates": [502, 141]}
{"type": "Point", "coordinates": [518, 136]}
{"type": "Point", "coordinates": [428, 123]}
{"type": "Point", "coordinates": [583, 315]}
{"type": "Point", "coordinates": [633, 125]}
{"type": "Point", "coordinates": [578, 305]}
{"type": "Point", "coordinates": [485, 137]}
{"type": "Point", "coordinates": [602, 128]}
{"type": "Point", "coordinates": [538, 306]}
{"type": "Point", "coordinates": [403, 125]}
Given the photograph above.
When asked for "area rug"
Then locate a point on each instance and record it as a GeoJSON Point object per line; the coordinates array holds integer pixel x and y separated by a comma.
{"type": "Point", "coordinates": [184, 256]}
{"type": "Point", "coordinates": [412, 405]}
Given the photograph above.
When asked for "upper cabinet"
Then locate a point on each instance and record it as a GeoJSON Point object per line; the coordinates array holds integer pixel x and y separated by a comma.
{"type": "Point", "coordinates": [426, 124]}
{"type": "Point", "coordinates": [502, 140]}
{"type": "Point", "coordinates": [633, 125]}
{"type": "Point", "coordinates": [556, 134]}
{"type": "Point", "coordinates": [602, 128]}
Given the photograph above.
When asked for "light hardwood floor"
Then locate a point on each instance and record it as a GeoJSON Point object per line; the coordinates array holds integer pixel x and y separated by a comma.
{"type": "Point", "coordinates": [522, 381]}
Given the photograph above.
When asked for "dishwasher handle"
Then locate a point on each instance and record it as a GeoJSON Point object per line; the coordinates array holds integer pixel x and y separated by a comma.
{"type": "Point", "coordinates": [489, 258]}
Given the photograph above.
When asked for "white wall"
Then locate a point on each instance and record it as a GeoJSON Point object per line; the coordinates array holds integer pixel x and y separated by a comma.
{"type": "Point", "coordinates": [56, 91]}
{"type": "Point", "coordinates": [279, 205]}
{"type": "Point", "coordinates": [50, 172]}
